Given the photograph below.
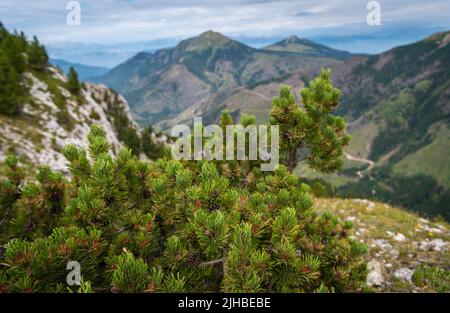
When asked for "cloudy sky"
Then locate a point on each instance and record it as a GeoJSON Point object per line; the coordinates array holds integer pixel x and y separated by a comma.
{"type": "Point", "coordinates": [110, 21]}
{"type": "Point", "coordinates": [124, 21]}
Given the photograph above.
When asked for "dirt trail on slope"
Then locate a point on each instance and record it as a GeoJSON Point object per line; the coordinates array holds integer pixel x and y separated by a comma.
{"type": "Point", "coordinates": [257, 94]}
{"type": "Point", "coordinates": [366, 161]}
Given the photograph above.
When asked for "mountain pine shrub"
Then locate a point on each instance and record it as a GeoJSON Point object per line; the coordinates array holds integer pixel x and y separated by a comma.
{"type": "Point", "coordinates": [167, 226]}
{"type": "Point", "coordinates": [311, 132]}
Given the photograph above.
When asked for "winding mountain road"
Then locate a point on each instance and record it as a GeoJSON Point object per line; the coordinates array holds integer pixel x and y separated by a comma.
{"type": "Point", "coordinates": [366, 161]}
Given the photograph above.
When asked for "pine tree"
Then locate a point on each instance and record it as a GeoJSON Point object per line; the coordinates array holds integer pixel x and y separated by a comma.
{"type": "Point", "coordinates": [37, 55]}
{"type": "Point", "coordinates": [14, 50]}
{"type": "Point", "coordinates": [9, 192]}
{"type": "Point", "coordinates": [151, 149]}
{"type": "Point", "coordinates": [11, 89]}
{"type": "Point", "coordinates": [73, 84]}
{"type": "Point", "coordinates": [3, 32]}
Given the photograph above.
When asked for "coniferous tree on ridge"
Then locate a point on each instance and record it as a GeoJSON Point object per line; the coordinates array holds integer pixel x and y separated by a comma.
{"type": "Point", "coordinates": [37, 55]}
{"type": "Point", "coordinates": [13, 48]}
{"type": "Point", "coordinates": [73, 84]}
{"type": "Point", "coordinates": [11, 89]}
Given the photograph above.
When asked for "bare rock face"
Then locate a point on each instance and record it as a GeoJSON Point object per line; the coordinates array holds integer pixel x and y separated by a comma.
{"type": "Point", "coordinates": [52, 117]}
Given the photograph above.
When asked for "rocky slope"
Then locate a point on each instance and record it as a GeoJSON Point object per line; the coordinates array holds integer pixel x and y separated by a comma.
{"type": "Point", "coordinates": [406, 253]}
{"type": "Point", "coordinates": [52, 118]}
{"type": "Point", "coordinates": [42, 110]}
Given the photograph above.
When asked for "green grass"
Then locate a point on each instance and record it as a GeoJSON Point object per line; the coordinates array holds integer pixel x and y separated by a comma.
{"type": "Point", "coordinates": [432, 159]}
{"type": "Point", "coordinates": [250, 103]}
{"type": "Point", "coordinates": [362, 138]}
{"type": "Point", "coordinates": [432, 278]}
{"type": "Point", "coordinates": [336, 179]}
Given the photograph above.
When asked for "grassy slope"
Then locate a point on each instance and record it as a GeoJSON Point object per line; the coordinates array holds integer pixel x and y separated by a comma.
{"type": "Point", "coordinates": [335, 179]}
{"type": "Point", "coordinates": [362, 137]}
{"type": "Point", "coordinates": [433, 159]}
{"type": "Point", "coordinates": [376, 224]}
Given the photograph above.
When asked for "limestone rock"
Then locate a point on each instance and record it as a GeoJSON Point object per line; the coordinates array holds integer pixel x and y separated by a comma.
{"type": "Point", "coordinates": [404, 273]}
{"type": "Point", "coordinates": [375, 277]}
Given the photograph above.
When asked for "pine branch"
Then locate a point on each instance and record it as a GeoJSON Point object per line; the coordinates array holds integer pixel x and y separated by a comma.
{"type": "Point", "coordinates": [212, 262]}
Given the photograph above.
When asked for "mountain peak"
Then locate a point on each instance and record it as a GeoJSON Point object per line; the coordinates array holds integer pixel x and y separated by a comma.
{"type": "Point", "coordinates": [293, 39]}
{"type": "Point", "coordinates": [211, 38]}
{"type": "Point", "coordinates": [294, 44]}
{"type": "Point", "coordinates": [207, 40]}
{"type": "Point", "coordinates": [212, 35]}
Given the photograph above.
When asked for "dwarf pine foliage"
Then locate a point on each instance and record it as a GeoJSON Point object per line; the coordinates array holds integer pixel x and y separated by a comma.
{"type": "Point", "coordinates": [164, 227]}
{"type": "Point", "coordinates": [173, 226]}
{"type": "Point", "coordinates": [311, 132]}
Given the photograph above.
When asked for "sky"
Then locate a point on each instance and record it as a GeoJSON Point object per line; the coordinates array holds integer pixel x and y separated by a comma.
{"type": "Point", "coordinates": [119, 23]}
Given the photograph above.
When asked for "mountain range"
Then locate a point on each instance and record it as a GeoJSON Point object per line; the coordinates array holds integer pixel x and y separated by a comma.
{"type": "Point", "coordinates": [396, 103]}
{"type": "Point", "coordinates": [200, 73]}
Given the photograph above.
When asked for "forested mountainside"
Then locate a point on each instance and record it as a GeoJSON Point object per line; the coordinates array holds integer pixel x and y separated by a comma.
{"type": "Point", "coordinates": [398, 105]}
{"type": "Point", "coordinates": [42, 110]}
{"type": "Point", "coordinates": [201, 71]}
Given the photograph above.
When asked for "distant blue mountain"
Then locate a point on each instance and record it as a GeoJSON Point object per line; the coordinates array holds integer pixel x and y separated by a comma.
{"type": "Point", "coordinates": [85, 72]}
{"type": "Point", "coordinates": [366, 40]}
